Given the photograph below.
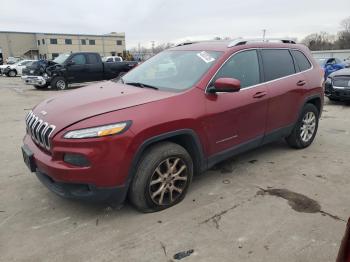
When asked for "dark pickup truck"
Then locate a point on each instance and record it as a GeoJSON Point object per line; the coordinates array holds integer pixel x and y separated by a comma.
{"type": "Point", "coordinates": [73, 68]}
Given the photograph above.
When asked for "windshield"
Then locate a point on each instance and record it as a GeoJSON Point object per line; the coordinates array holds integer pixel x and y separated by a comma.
{"type": "Point", "coordinates": [173, 70]}
{"type": "Point", "coordinates": [61, 58]}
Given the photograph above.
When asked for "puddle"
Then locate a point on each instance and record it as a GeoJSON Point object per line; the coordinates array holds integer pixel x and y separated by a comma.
{"type": "Point", "coordinates": [298, 202]}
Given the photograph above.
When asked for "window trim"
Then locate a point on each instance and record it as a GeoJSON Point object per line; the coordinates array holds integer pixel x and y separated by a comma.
{"type": "Point", "coordinates": [264, 82]}
{"type": "Point", "coordinates": [295, 60]}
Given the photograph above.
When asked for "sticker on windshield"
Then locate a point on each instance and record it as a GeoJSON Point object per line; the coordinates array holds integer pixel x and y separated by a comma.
{"type": "Point", "coordinates": [206, 57]}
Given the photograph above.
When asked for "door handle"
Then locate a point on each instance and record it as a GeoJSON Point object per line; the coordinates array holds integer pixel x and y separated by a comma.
{"type": "Point", "coordinates": [259, 94]}
{"type": "Point", "coordinates": [301, 83]}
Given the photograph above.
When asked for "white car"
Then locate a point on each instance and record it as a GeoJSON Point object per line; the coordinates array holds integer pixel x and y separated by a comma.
{"type": "Point", "coordinates": [15, 69]}
{"type": "Point", "coordinates": [111, 59]}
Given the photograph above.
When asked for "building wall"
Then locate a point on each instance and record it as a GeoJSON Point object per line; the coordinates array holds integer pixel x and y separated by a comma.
{"type": "Point", "coordinates": [18, 44]}
{"type": "Point", "coordinates": [341, 54]}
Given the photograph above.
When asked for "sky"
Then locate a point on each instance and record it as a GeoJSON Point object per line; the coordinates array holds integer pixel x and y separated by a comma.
{"type": "Point", "coordinates": [175, 21]}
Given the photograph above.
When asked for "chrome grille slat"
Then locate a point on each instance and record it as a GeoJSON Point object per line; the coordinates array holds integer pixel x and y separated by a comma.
{"type": "Point", "coordinates": [39, 130]}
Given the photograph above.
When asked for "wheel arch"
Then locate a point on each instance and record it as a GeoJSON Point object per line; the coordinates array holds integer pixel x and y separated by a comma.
{"type": "Point", "coordinates": [316, 101]}
{"type": "Point", "coordinates": [186, 138]}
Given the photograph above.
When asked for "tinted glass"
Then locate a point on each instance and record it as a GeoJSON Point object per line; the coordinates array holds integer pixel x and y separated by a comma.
{"type": "Point", "coordinates": [92, 59]}
{"type": "Point", "coordinates": [277, 63]}
{"type": "Point", "coordinates": [53, 41]}
{"type": "Point", "coordinates": [301, 60]}
{"type": "Point", "coordinates": [68, 41]}
{"type": "Point", "coordinates": [83, 42]}
{"type": "Point", "coordinates": [119, 42]}
{"type": "Point", "coordinates": [91, 42]}
{"type": "Point", "coordinates": [243, 66]}
{"type": "Point", "coordinates": [109, 59]}
{"type": "Point", "coordinates": [79, 59]}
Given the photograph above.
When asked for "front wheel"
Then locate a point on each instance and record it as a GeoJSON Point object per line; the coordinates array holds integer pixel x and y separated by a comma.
{"type": "Point", "coordinates": [305, 129]}
{"type": "Point", "coordinates": [162, 178]}
{"type": "Point", "coordinates": [59, 83]}
{"type": "Point", "coordinates": [12, 73]}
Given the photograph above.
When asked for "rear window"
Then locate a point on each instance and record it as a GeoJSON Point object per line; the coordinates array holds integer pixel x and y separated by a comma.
{"type": "Point", "coordinates": [92, 59]}
{"type": "Point", "coordinates": [301, 60]}
{"type": "Point", "coordinates": [277, 63]}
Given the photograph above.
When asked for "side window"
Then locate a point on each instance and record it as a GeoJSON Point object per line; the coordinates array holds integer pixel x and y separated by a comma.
{"type": "Point", "coordinates": [109, 59]}
{"type": "Point", "coordinates": [79, 59]}
{"type": "Point", "coordinates": [243, 66]}
{"type": "Point", "coordinates": [301, 60]}
{"type": "Point", "coordinates": [92, 59]}
{"type": "Point", "coordinates": [277, 63]}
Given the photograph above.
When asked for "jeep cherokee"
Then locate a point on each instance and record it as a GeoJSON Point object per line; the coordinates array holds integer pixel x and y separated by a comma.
{"type": "Point", "coordinates": [144, 135]}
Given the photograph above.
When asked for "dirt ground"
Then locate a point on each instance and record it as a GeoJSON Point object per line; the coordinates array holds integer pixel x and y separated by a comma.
{"type": "Point", "coordinates": [270, 204]}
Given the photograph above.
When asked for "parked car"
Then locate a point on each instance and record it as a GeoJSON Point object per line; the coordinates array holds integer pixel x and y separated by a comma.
{"type": "Point", "coordinates": [337, 85]}
{"type": "Point", "coordinates": [145, 135]}
{"type": "Point", "coordinates": [12, 60]}
{"type": "Point", "coordinates": [330, 65]}
{"type": "Point", "coordinates": [16, 69]}
{"type": "Point", "coordinates": [76, 68]}
{"type": "Point", "coordinates": [111, 59]}
{"type": "Point", "coordinates": [347, 62]}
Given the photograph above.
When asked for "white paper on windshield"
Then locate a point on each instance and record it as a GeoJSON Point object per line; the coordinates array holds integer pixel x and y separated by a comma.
{"type": "Point", "coordinates": [205, 57]}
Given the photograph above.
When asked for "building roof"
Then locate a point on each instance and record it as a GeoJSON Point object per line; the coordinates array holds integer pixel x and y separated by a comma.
{"type": "Point", "coordinates": [104, 35]}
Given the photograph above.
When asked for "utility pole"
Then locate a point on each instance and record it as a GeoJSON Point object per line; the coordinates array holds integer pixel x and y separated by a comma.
{"type": "Point", "coordinates": [264, 34]}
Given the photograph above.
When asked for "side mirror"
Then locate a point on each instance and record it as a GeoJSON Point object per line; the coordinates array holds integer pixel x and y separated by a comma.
{"type": "Point", "coordinates": [70, 62]}
{"type": "Point", "coordinates": [225, 85]}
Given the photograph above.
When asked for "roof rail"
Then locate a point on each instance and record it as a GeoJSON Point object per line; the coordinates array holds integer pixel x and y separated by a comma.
{"type": "Point", "coordinates": [187, 43]}
{"type": "Point", "coordinates": [241, 41]}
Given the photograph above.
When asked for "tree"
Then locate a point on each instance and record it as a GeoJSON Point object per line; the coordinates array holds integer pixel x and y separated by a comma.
{"type": "Point", "coordinates": [319, 41]}
{"type": "Point", "coordinates": [345, 23]}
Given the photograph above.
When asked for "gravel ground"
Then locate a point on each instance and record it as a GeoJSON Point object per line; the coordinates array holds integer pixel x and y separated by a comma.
{"type": "Point", "coordinates": [271, 204]}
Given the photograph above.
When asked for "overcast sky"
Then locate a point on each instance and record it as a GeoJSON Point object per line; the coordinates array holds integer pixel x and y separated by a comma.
{"type": "Point", "coordinates": [175, 20]}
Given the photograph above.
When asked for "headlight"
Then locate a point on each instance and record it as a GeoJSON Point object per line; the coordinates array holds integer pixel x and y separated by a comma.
{"type": "Point", "coordinates": [98, 131]}
{"type": "Point", "coordinates": [329, 80]}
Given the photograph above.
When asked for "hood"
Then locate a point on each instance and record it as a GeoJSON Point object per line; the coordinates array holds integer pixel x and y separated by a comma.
{"type": "Point", "coordinates": [341, 72]}
{"type": "Point", "coordinates": [74, 106]}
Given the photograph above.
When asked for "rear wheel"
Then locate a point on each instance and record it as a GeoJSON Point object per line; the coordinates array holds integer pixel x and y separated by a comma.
{"type": "Point", "coordinates": [305, 129]}
{"type": "Point", "coordinates": [59, 83]}
{"type": "Point", "coordinates": [162, 177]}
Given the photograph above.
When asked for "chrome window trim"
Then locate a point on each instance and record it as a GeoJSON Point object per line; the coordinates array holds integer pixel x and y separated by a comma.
{"type": "Point", "coordinates": [262, 83]}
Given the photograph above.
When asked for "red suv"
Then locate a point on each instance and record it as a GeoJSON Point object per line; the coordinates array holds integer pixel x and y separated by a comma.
{"type": "Point", "coordinates": [146, 134]}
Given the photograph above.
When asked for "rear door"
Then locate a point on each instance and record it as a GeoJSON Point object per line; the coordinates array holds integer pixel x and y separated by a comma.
{"type": "Point", "coordinates": [240, 117]}
{"type": "Point", "coordinates": [94, 67]}
{"type": "Point", "coordinates": [283, 86]}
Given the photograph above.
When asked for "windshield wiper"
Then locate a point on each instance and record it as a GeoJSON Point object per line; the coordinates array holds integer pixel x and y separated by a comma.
{"type": "Point", "coordinates": [141, 85]}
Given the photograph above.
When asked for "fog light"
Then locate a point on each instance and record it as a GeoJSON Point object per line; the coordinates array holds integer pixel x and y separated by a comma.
{"type": "Point", "coordinates": [76, 160]}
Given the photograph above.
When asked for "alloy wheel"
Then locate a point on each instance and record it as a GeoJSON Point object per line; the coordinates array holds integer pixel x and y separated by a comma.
{"type": "Point", "coordinates": [61, 84]}
{"type": "Point", "coordinates": [308, 126]}
{"type": "Point", "coordinates": [168, 181]}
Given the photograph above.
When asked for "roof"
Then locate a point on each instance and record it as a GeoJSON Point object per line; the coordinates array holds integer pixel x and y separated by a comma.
{"type": "Point", "coordinates": [104, 35]}
{"type": "Point", "coordinates": [224, 45]}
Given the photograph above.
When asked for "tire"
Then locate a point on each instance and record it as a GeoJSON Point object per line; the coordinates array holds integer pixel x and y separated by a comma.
{"type": "Point", "coordinates": [12, 73]}
{"type": "Point", "coordinates": [305, 129]}
{"type": "Point", "coordinates": [59, 83]}
{"type": "Point", "coordinates": [333, 99]}
{"type": "Point", "coordinates": [154, 166]}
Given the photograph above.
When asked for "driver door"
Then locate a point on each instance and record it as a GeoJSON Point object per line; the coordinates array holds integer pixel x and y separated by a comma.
{"type": "Point", "coordinates": [237, 120]}
{"type": "Point", "coordinates": [77, 71]}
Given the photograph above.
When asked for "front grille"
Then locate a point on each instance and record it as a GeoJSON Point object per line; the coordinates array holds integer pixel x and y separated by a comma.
{"type": "Point", "coordinates": [39, 130]}
{"type": "Point", "coordinates": [341, 81]}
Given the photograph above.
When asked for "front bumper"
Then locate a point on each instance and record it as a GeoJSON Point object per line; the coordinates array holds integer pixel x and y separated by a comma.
{"type": "Point", "coordinates": [341, 93]}
{"type": "Point", "coordinates": [86, 192]}
{"type": "Point", "coordinates": [34, 80]}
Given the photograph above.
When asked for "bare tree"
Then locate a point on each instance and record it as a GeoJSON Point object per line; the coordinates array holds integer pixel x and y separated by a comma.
{"type": "Point", "coordinates": [345, 23]}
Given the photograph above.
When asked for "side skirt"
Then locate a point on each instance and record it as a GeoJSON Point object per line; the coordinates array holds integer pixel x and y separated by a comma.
{"type": "Point", "coordinates": [251, 144]}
